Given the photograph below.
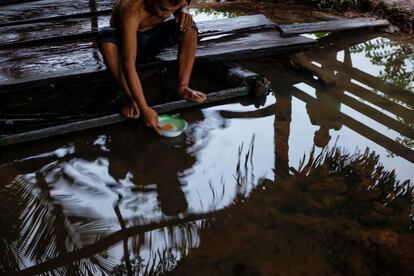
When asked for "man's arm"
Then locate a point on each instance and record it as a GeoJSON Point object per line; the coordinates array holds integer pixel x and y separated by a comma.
{"type": "Point", "coordinates": [184, 18]}
{"type": "Point", "coordinates": [129, 27]}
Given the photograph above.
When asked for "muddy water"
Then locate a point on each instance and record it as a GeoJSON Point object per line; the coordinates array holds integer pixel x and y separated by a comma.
{"type": "Point", "coordinates": [297, 182]}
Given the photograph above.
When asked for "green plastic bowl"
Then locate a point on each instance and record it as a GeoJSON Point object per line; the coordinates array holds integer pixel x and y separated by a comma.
{"type": "Point", "coordinates": [177, 125]}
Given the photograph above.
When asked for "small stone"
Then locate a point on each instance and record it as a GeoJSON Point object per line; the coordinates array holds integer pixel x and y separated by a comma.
{"type": "Point", "coordinates": [336, 187]}
{"type": "Point", "coordinates": [317, 187]}
{"type": "Point", "coordinates": [371, 218]}
{"type": "Point", "coordinates": [380, 208]}
{"type": "Point", "coordinates": [368, 195]}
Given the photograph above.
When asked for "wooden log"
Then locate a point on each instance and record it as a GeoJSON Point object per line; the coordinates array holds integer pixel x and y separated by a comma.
{"type": "Point", "coordinates": [116, 118]}
{"type": "Point", "coordinates": [332, 26]}
{"type": "Point", "coordinates": [259, 113]}
{"type": "Point", "coordinates": [234, 75]}
{"type": "Point", "coordinates": [362, 129]}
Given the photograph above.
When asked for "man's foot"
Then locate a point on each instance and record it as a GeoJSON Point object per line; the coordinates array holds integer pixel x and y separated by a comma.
{"type": "Point", "coordinates": [131, 111]}
{"type": "Point", "coordinates": [189, 94]}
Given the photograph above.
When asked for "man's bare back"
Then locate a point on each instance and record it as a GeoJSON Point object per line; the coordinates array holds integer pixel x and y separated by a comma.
{"type": "Point", "coordinates": [149, 17]}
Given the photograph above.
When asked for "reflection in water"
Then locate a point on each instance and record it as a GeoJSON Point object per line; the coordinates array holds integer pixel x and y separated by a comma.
{"type": "Point", "coordinates": [325, 122]}
{"type": "Point", "coordinates": [113, 204]}
{"type": "Point", "coordinates": [396, 63]}
{"type": "Point", "coordinates": [204, 14]}
{"type": "Point", "coordinates": [395, 59]}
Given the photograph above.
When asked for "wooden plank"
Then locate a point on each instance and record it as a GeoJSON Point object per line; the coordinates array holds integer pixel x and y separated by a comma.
{"type": "Point", "coordinates": [28, 64]}
{"type": "Point", "coordinates": [79, 28]}
{"type": "Point", "coordinates": [332, 26]}
{"type": "Point", "coordinates": [387, 88]}
{"type": "Point", "coordinates": [363, 130]}
{"type": "Point", "coordinates": [41, 63]}
{"type": "Point", "coordinates": [336, 42]}
{"type": "Point", "coordinates": [370, 112]}
{"type": "Point", "coordinates": [386, 104]}
{"type": "Point", "coordinates": [116, 118]}
{"type": "Point", "coordinates": [13, 36]}
{"type": "Point", "coordinates": [363, 93]}
{"type": "Point", "coordinates": [13, 2]}
{"type": "Point", "coordinates": [240, 24]}
{"type": "Point", "coordinates": [248, 45]}
{"type": "Point", "coordinates": [40, 10]}
{"type": "Point", "coordinates": [53, 19]}
{"type": "Point", "coordinates": [80, 56]}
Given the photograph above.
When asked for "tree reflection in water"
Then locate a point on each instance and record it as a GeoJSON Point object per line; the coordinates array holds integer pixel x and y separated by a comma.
{"type": "Point", "coordinates": [397, 60]}
{"type": "Point", "coordinates": [332, 195]}
{"type": "Point", "coordinates": [395, 57]}
{"type": "Point", "coordinates": [336, 213]}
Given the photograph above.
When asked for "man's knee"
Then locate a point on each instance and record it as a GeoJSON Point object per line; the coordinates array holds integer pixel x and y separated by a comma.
{"type": "Point", "coordinates": [108, 40]}
{"type": "Point", "coordinates": [110, 52]}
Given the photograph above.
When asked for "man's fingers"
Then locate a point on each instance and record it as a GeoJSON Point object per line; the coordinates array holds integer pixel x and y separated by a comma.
{"type": "Point", "coordinates": [188, 22]}
{"type": "Point", "coordinates": [155, 127]}
{"type": "Point", "coordinates": [182, 21]}
{"type": "Point", "coordinates": [198, 98]}
{"type": "Point", "coordinates": [203, 97]}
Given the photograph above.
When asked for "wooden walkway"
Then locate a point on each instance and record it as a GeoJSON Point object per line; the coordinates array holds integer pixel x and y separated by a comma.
{"type": "Point", "coordinates": [65, 54]}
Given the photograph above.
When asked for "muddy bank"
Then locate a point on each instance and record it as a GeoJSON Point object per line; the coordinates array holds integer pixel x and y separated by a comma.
{"type": "Point", "coordinates": [399, 12]}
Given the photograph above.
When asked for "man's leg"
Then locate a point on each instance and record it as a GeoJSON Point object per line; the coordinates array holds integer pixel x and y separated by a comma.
{"type": "Point", "coordinates": [110, 52]}
{"type": "Point", "coordinates": [186, 57]}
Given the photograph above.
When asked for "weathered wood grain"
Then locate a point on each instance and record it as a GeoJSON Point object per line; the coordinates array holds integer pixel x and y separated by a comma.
{"type": "Point", "coordinates": [13, 2]}
{"type": "Point", "coordinates": [116, 118]}
{"type": "Point", "coordinates": [362, 129]}
{"type": "Point", "coordinates": [369, 80]}
{"type": "Point", "coordinates": [41, 63]}
{"type": "Point", "coordinates": [14, 36]}
{"type": "Point", "coordinates": [247, 45]}
{"type": "Point", "coordinates": [41, 10]}
{"type": "Point", "coordinates": [79, 28]}
{"type": "Point", "coordinates": [332, 26]}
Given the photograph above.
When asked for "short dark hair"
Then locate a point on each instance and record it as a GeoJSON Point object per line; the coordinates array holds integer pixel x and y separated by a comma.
{"type": "Point", "coordinates": [173, 2]}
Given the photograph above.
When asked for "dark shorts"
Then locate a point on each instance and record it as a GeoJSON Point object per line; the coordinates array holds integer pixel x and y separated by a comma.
{"type": "Point", "coordinates": [150, 42]}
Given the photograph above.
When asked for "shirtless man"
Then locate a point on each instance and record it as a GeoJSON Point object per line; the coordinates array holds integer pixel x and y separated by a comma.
{"type": "Point", "coordinates": [138, 28]}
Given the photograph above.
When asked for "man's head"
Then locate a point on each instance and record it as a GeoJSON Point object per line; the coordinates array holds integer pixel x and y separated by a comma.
{"type": "Point", "coordinates": [321, 137]}
{"type": "Point", "coordinates": [164, 8]}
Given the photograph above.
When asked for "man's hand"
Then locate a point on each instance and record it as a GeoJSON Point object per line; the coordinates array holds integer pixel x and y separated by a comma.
{"type": "Point", "coordinates": [184, 19]}
{"type": "Point", "coordinates": [151, 119]}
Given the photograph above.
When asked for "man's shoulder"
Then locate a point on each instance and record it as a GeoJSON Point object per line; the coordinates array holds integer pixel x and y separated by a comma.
{"type": "Point", "coordinates": [131, 7]}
